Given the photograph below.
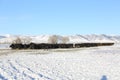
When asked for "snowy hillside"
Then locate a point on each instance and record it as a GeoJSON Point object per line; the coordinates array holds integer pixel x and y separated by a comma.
{"type": "Point", "coordinates": [72, 38]}
{"type": "Point", "coordinates": [2, 37]}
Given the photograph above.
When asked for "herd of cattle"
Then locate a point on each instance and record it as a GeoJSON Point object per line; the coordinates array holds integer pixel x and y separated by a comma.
{"type": "Point", "coordinates": [55, 46]}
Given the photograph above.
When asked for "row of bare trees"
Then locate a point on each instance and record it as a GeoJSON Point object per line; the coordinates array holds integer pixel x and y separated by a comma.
{"type": "Point", "coordinates": [19, 40]}
{"type": "Point", "coordinates": [54, 39]}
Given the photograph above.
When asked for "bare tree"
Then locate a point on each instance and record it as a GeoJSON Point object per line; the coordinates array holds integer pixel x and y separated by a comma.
{"type": "Point", "coordinates": [26, 40]}
{"type": "Point", "coordinates": [53, 39]}
{"type": "Point", "coordinates": [65, 39]}
{"type": "Point", "coordinates": [17, 41]}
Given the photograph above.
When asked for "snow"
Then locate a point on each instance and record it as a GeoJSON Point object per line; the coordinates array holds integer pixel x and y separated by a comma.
{"type": "Point", "coordinates": [96, 63]}
{"type": "Point", "coordinates": [8, 39]}
{"type": "Point", "coordinates": [40, 39]}
{"type": "Point", "coordinates": [4, 46]}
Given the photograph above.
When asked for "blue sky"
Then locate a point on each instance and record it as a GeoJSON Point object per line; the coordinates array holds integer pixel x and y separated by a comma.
{"type": "Point", "coordinates": [59, 17]}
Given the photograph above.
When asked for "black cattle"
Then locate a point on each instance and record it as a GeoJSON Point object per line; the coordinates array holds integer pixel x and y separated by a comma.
{"type": "Point", "coordinates": [17, 46]}
{"type": "Point", "coordinates": [55, 46]}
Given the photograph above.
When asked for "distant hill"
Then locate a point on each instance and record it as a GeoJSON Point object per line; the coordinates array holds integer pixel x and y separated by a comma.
{"type": "Point", "coordinates": [2, 37]}
{"type": "Point", "coordinates": [72, 38]}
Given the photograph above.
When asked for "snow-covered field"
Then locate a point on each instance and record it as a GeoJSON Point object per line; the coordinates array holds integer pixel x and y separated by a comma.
{"type": "Point", "coordinates": [97, 63]}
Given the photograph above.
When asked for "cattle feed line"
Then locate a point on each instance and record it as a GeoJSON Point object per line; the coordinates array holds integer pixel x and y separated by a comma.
{"type": "Point", "coordinates": [56, 46]}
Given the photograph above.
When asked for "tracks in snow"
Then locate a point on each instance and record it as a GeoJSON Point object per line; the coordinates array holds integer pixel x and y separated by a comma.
{"type": "Point", "coordinates": [12, 70]}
